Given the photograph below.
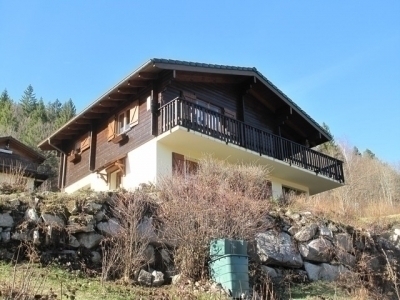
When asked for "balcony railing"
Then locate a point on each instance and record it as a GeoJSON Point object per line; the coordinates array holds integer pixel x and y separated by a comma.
{"type": "Point", "coordinates": [180, 112]}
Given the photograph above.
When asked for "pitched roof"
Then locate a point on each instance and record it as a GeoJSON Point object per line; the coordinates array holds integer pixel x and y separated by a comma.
{"type": "Point", "coordinates": [36, 156]}
{"type": "Point", "coordinates": [157, 64]}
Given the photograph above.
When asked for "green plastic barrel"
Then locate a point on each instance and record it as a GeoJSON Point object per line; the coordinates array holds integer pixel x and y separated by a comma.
{"type": "Point", "coordinates": [226, 246]}
{"type": "Point", "coordinates": [229, 266]}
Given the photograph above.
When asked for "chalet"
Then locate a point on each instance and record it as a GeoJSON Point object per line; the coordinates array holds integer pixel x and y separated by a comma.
{"type": "Point", "coordinates": [19, 163]}
{"type": "Point", "coordinates": [165, 115]}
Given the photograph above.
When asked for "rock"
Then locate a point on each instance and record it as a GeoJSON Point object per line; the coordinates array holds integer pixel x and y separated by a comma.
{"type": "Point", "coordinates": [324, 231]}
{"type": "Point", "coordinates": [343, 241]}
{"type": "Point", "coordinates": [318, 250]}
{"type": "Point", "coordinates": [6, 220]}
{"type": "Point", "coordinates": [36, 237]}
{"type": "Point", "coordinates": [73, 242]}
{"type": "Point", "coordinates": [109, 228]}
{"type": "Point", "coordinates": [146, 229]}
{"type": "Point", "coordinates": [5, 236]}
{"type": "Point", "coordinates": [81, 223]}
{"type": "Point", "coordinates": [294, 216]}
{"type": "Point", "coordinates": [306, 233]}
{"type": "Point", "coordinates": [332, 227]}
{"type": "Point", "coordinates": [92, 208]}
{"type": "Point", "coordinates": [324, 271]}
{"type": "Point", "coordinates": [53, 220]}
{"type": "Point", "coordinates": [149, 254]}
{"type": "Point", "coordinates": [20, 236]}
{"type": "Point", "coordinates": [96, 257]}
{"type": "Point", "coordinates": [176, 279]}
{"type": "Point", "coordinates": [145, 278]}
{"type": "Point", "coordinates": [158, 278]}
{"type": "Point", "coordinates": [293, 230]}
{"type": "Point", "coordinates": [31, 215]}
{"type": "Point", "coordinates": [269, 271]}
{"type": "Point", "coordinates": [100, 216]}
{"type": "Point", "coordinates": [277, 248]}
{"type": "Point", "coordinates": [345, 258]}
{"type": "Point", "coordinates": [89, 240]}
{"type": "Point", "coordinates": [165, 256]}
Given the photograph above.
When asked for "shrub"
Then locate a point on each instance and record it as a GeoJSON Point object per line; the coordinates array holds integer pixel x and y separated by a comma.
{"type": "Point", "coordinates": [219, 201]}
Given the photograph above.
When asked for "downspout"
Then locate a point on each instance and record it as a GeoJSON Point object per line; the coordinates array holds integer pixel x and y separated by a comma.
{"type": "Point", "coordinates": [63, 162]}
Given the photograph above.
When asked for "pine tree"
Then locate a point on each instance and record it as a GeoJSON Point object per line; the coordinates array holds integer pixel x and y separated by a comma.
{"type": "Point", "coordinates": [53, 110]}
{"type": "Point", "coordinates": [8, 122]}
{"type": "Point", "coordinates": [330, 148]}
{"type": "Point", "coordinates": [39, 113]}
{"type": "Point", "coordinates": [67, 112]}
{"type": "Point", "coordinates": [28, 101]}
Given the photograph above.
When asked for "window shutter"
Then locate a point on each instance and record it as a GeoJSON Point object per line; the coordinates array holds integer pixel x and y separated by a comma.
{"type": "Point", "coordinates": [178, 163]}
{"type": "Point", "coordinates": [111, 129]}
{"type": "Point", "coordinates": [134, 114]}
{"type": "Point", "coordinates": [85, 143]}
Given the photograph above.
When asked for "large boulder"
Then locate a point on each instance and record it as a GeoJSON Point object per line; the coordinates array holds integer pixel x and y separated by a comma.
{"type": "Point", "coordinates": [324, 271]}
{"type": "Point", "coordinates": [158, 278]}
{"type": "Point", "coordinates": [81, 223]}
{"type": "Point", "coordinates": [344, 242]}
{"type": "Point", "coordinates": [6, 220]}
{"type": "Point", "coordinates": [89, 240]}
{"type": "Point", "coordinates": [306, 233]}
{"type": "Point", "coordinates": [277, 248]}
{"type": "Point", "coordinates": [109, 228]}
{"type": "Point", "coordinates": [145, 278]}
{"type": "Point", "coordinates": [318, 250]}
{"type": "Point", "coordinates": [53, 220]}
{"type": "Point", "coordinates": [345, 258]}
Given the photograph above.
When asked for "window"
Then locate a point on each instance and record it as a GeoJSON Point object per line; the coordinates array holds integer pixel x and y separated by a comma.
{"type": "Point", "coordinates": [123, 122]}
{"type": "Point", "coordinates": [115, 172]}
{"type": "Point", "coordinates": [183, 166]}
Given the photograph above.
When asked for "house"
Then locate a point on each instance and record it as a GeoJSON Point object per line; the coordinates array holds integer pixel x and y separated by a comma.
{"type": "Point", "coordinates": [19, 163]}
{"type": "Point", "coordinates": [167, 113]}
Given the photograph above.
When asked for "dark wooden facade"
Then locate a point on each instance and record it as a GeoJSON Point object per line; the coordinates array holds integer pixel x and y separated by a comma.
{"type": "Point", "coordinates": [242, 109]}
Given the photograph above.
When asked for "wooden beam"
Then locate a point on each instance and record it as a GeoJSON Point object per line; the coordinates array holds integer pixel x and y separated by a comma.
{"type": "Point", "coordinates": [92, 153]}
{"type": "Point", "coordinates": [108, 103]}
{"type": "Point", "coordinates": [137, 83]}
{"type": "Point", "coordinates": [100, 109]}
{"type": "Point", "coordinates": [208, 78]}
{"type": "Point", "coordinates": [117, 97]}
{"type": "Point", "coordinates": [82, 121]}
{"type": "Point", "coordinates": [148, 75]}
{"type": "Point", "coordinates": [128, 91]}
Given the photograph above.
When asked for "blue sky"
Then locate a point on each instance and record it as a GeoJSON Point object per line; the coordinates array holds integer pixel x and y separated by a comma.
{"type": "Point", "coordinates": [338, 60]}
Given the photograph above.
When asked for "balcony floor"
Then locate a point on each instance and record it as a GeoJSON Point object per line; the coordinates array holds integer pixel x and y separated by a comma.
{"type": "Point", "coordinates": [198, 144]}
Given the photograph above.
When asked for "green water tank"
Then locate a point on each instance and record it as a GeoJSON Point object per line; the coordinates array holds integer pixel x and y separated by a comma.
{"type": "Point", "coordinates": [229, 265]}
{"type": "Point", "coordinates": [226, 246]}
{"type": "Point", "coordinates": [232, 272]}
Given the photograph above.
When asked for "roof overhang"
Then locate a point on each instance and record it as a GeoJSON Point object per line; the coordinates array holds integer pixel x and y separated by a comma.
{"type": "Point", "coordinates": [131, 84]}
{"type": "Point", "coordinates": [26, 149]}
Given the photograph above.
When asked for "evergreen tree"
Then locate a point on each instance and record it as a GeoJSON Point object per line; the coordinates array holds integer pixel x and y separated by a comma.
{"type": "Point", "coordinates": [8, 121]}
{"type": "Point", "coordinates": [356, 152]}
{"type": "Point", "coordinates": [330, 148]}
{"type": "Point", "coordinates": [28, 101]}
{"type": "Point", "coordinates": [67, 112]}
{"type": "Point", "coordinates": [369, 154]}
{"type": "Point", "coordinates": [53, 110]}
{"type": "Point", "coordinates": [39, 113]}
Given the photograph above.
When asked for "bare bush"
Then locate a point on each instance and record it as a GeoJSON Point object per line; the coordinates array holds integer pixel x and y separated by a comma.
{"type": "Point", "coordinates": [125, 252]}
{"type": "Point", "coordinates": [219, 201]}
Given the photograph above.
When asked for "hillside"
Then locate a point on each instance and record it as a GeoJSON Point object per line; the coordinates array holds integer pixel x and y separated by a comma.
{"type": "Point", "coordinates": [158, 235]}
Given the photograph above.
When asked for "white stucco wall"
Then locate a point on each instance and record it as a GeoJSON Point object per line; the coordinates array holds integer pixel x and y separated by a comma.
{"type": "Point", "coordinates": [141, 165]}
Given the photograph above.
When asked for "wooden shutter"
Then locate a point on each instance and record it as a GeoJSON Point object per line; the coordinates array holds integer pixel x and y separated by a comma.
{"type": "Point", "coordinates": [85, 143]}
{"type": "Point", "coordinates": [178, 163]}
{"type": "Point", "coordinates": [111, 129]}
{"type": "Point", "coordinates": [134, 114]}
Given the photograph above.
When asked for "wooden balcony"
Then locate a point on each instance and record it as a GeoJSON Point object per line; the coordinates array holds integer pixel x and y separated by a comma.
{"type": "Point", "coordinates": [184, 113]}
